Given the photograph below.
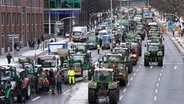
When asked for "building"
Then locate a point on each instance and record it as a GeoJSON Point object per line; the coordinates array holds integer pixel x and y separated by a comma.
{"type": "Point", "coordinates": [22, 19]}
{"type": "Point", "coordinates": [56, 10]}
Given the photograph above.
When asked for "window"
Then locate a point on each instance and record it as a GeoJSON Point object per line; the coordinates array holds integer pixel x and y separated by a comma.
{"type": "Point", "coordinates": [18, 2]}
{"type": "Point", "coordinates": [8, 19]}
{"type": "Point", "coordinates": [2, 2]}
{"type": "Point", "coordinates": [13, 18]}
{"type": "Point", "coordinates": [2, 40]}
{"type": "Point", "coordinates": [18, 19]}
{"type": "Point", "coordinates": [2, 18]}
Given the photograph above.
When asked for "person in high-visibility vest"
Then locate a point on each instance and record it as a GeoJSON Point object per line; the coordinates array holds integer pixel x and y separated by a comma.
{"type": "Point", "coordinates": [98, 48]}
{"type": "Point", "coordinates": [71, 76]}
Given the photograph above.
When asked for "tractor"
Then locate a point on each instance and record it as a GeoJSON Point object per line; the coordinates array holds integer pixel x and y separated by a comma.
{"type": "Point", "coordinates": [125, 56]}
{"type": "Point", "coordinates": [14, 86]}
{"type": "Point", "coordinates": [103, 85]}
{"type": "Point", "coordinates": [115, 62]}
{"type": "Point", "coordinates": [153, 54]}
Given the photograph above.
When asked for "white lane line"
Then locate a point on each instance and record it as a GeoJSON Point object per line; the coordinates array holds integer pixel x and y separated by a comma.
{"type": "Point", "coordinates": [160, 74]}
{"type": "Point", "coordinates": [156, 91]}
{"type": "Point", "coordinates": [36, 98]}
{"type": "Point", "coordinates": [137, 70]}
{"type": "Point", "coordinates": [151, 67]}
{"type": "Point", "coordinates": [139, 66]}
{"type": "Point", "coordinates": [128, 84]}
{"type": "Point", "coordinates": [121, 97]}
{"type": "Point", "coordinates": [155, 98]}
{"type": "Point", "coordinates": [134, 74]}
{"type": "Point", "coordinates": [163, 66]}
{"type": "Point", "coordinates": [124, 90]}
{"type": "Point", "coordinates": [158, 79]}
{"type": "Point", "coordinates": [162, 70]}
{"type": "Point", "coordinates": [157, 84]}
{"type": "Point", "coordinates": [66, 91]}
{"type": "Point", "coordinates": [131, 79]}
{"type": "Point", "coordinates": [175, 67]}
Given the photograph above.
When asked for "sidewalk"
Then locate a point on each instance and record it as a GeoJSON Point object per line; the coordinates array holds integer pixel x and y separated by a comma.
{"type": "Point", "coordinates": [27, 52]}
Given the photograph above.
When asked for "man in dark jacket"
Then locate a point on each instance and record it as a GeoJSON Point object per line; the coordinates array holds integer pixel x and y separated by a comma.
{"type": "Point", "coordinates": [9, 57]}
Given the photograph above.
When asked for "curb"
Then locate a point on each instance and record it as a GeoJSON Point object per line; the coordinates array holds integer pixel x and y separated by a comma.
{"type": "Point", "coordinates": [178, 45]}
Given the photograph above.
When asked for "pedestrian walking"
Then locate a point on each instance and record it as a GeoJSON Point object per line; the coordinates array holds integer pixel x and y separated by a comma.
{"type": "Point", "coordinates": [98, 48]}
{"type": "Point", "coordinates": [59, 82]}
{"type": "Point", "coordinates": [173, 33]}
{"type": "Point", "coordinates": [53, 84]}
{"type": "Point", "coordinates": [38, 42]}
{"type": "Point", "coordinates": [71, 76]}
{"type": "Point", "coordinates": [45, 86]}
{"type": "Point", "coordinates": [9, 57]}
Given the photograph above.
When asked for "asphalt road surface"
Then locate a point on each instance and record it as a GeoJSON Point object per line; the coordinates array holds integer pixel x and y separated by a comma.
{"type": "Point", "coordinates": [147, 85]}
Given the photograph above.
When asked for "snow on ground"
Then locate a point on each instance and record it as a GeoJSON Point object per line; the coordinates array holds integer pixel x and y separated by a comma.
{"type": "Point", "coordinates": [33, 52]}
{"type": "Point", "coordinates": [81, 95]}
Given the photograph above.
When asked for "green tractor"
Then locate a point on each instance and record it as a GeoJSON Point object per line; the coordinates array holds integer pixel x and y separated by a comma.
{"type": "Point", "coordinates": [125, 56]}
{"type": "Point", "coordinates": [115, 62]}
{"type": "Point", "coordinates": [153, 54]}
{"type": "Point", "coordinates": [14, 87]}
{"type": "Point", "coordinates": [79, 47]}
{"type": "Point", "coordinates": [103, 85]}
{"type": "Point", "coordinates": [79, 62]}
{"type": "Point", "coordinates": [157, 41]}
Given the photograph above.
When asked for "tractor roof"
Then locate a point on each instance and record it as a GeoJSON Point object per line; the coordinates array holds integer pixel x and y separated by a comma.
{"type": "Point", "coordinates": [104, 69]}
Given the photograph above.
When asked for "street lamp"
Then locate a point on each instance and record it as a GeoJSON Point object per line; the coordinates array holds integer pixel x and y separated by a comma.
{"type": "Point", "coordinates": [96, 14]}
{"type": "Point", "coordinates": [111, 14]}
{"type": "Point", "coordinates": [60, 24]}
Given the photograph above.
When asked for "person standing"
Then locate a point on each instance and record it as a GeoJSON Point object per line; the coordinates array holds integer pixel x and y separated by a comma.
{"type": "Point", "coordinates": [59, 82]}
{"type": "Point", "coordinates": [98, 48]}
{"type": "Point", "coordinates": [71, 76]}
{"type": "Point", "coordinates": [9, 57]}
{"type": "Point", "coordinates": [39, 42]}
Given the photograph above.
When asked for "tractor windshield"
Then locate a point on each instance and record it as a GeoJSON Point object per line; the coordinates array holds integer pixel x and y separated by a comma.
{"type": "Point", "coordinates": [153, 48]}
{"type": "Point", "coordinates": [104, 76]}
{"type": "Point", "coordinates": [80, 47]}
{"type": "Point", "coordinates": [48, 63]}
{"type": "Point", "coordinates": [78, 58]}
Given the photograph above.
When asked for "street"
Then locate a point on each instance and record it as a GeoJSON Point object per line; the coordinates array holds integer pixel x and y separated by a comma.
{"type": "Point", "coordinates": [147, 85]}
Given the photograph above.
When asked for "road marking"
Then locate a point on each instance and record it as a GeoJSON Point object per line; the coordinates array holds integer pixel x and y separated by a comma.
{"type": "Point", "coordinates": [151, 67]}
{"type": "Point", "coordinates": [139, 66]}
{"type": "Point", "coordinates": [162, 70]}
{"type": "Point", "coordinates": [66, 91]}
{"type": "Point", "coordinates": [175, 67]}
{"type": "Point", "coordinates": [36, 98]}
{"type": "Point", "coordinates": [137, 70]}
{"type": "Point", "coordinates": [155, 98]}
{"type": "Point", "coordinates": [134, 74]}
{"type": "Point", "coordinates": [124, 90]}
{"type": "Point", "coordinates": [157, 84]}
{"type": "Point", "coordinates": [160, 74]}
{"type": "Point", "coordinates": [163, 66]}
{"type": "Point", "coordinates": [156, 90]}
{"type": "Point", "coordinates": [121, 97]}
{"type": "Point", "coordinates": [128, 84]}
{"type": "Point", "coordinates": [158, 79]}
{"type": "Point", "coordinates": [131, 79]}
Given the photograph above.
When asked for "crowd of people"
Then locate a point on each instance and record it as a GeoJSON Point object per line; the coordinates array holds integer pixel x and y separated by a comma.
{"type": "Point", "coordinates": [49, 80]}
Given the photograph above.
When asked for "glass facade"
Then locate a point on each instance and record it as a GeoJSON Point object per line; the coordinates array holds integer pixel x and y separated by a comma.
{"type": "Point", "coordinates": [62, 4]}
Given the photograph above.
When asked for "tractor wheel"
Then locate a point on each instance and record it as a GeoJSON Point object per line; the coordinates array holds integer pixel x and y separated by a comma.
{"type": "Point", "coordinates": [130, 67]}
{"type": "Point", "coordinates": [28, 93]}
{"type": "Point", "coordinates": [114, 96]}
{"type": "Point", "coordinates": [160, 61]}
{"type": "Point", "coordinates": [134, 62]}
{"type": "Point", "coordinates": [140, 51]}
{"type": "Point", "coordinates": [10, 100]}
{"type": "Point", "coordinates": [92, 97]}
{"type": "Point", "coordinates": [146, 61]}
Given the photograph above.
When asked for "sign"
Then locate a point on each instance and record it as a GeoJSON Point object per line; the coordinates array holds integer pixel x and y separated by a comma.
{"type": "Point", "coordinates": [15, 36]}
{"type": "Point", "coordinates": [60, 25]}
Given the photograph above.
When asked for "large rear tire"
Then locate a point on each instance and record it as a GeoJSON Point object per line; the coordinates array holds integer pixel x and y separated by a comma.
{"type": "Point", "coordinates": [130, 67]}
{"type": "Point", "coordinates": [114, 96]}
{"type": "Point", "coordinates": [92, 97]}
{"type": "Point", "coordinates": [28, 93]}
{"type": "Point", "coordinates": [146, 61]}
{"type": "Point", "coordinates": [160, 61]}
